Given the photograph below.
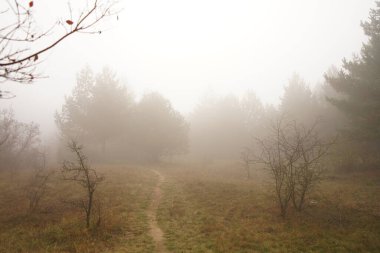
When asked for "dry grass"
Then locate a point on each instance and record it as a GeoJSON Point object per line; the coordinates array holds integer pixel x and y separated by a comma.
{"type": "Point", "coordinates": [203, 209]}
{"type": "Point", "coordinates": [215, 209]}
{"type": "Point", "coordinates": [58, 226]}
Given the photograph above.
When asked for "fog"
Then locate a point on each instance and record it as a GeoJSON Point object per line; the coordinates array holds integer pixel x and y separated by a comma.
{"type": "Point", "coordinates": [186, 50]}
{"type": "Point", "coordinates": [189, 126]}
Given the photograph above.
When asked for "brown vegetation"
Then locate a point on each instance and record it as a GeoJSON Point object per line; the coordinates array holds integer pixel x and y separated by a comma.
{"type": "Point", "coordinates": [57, 226]}
{"type": "Point", "coordinates": [215, 209]}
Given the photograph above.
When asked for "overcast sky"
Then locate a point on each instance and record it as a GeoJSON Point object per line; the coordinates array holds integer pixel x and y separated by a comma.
{"type": "Point", "coordinates": [185, 49]}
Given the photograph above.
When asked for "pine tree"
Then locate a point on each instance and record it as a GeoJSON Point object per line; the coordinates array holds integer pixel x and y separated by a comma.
{"type": "Point", "coordinates": [298, 102]}
{"type": "Point", "coordinates": [97, 110]}
{"type": "Point", "coordinates": [359, 83]}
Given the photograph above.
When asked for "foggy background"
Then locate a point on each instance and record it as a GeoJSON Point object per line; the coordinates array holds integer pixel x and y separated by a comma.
{"type": "Point", "coordinates": [203, 126]}
{"type": "Point", "coordinates": [187, 50]}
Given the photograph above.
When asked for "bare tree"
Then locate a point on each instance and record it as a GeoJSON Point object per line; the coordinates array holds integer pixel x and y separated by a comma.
{"type": "Point", "coordinates": [6, 122]}
{"type": "Point", "coordinates": [80, 172]}
{"type": "Point", "coordinates": [38, 184]}
{"type": "Point", "coordinates": [273, 158]}
{"type": "Point", "coordinates": [308, 167]}
{"type": "Point", "coordinates": [21, 44]}
{"type": "Point", "coordinates": [293, 154]}
{"type": "Point", "coordinates": [18, 141]}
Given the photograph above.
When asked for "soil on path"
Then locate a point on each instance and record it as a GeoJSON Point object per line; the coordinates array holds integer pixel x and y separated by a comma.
{"type": "Point", "coordinates": [155, 231]}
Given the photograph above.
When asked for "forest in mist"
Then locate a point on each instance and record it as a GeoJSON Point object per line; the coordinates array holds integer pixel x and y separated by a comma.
{"type": "Point", "coordinates": [242, 169]}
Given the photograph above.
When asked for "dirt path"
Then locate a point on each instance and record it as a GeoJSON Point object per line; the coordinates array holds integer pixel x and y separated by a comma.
{"type": "Point", "coordinates": [155, 230]}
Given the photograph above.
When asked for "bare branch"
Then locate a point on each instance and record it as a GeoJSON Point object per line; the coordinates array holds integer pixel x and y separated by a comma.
{"type": "Point", "coordinates": [292, 153]}
{"type": "Point", "coordinates": [80, 172]}
{"type": "Point", "coordinates": [18, 61]}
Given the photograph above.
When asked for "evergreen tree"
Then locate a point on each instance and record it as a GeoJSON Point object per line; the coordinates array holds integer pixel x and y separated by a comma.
{"type": "Point", "coordinates": [109, 109]}
{"type": "Point", "coordinates": [359, 83]}
{"type": "Point", "coordinates": [97, 110]}
{"type": "Point", "coordinates": [72, 120]}
{"type": "Point", "coordinates": [298, 102]}
{"type": "Point", "coordinates": [159, 130]}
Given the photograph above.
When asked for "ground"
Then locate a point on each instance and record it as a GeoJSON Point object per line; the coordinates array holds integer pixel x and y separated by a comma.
{"type": "Point", "coordinates": [58, 226]}
{"type": "Point", "coordinates": [216, 209]}
{"type": "Point", "coordinates": [183, 208]}
{"type": "Point", "coordinates": [155, 231]}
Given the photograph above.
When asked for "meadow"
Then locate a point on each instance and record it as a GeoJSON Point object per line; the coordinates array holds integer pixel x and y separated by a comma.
{"type": "Point", "coordinates": [209, 208]}
{"type": "Point", "coordinates": [59, 226]}
{"type": "Point", "coordinates": [217, 209]}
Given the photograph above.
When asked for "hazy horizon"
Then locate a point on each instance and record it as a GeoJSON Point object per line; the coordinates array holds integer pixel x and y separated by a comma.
{"type": "Point", "coordinates": [185, 50]}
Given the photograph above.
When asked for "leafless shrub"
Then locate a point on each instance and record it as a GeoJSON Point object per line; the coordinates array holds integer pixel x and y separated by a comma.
{"type": "Point", "coordinates": [38, 184]}
{"type": "Point", "coordinates": [81, 173]}
{"type": "Point", "coordinates": [293, 155]}
{"type": "Point", "coordinates": [18, 141]}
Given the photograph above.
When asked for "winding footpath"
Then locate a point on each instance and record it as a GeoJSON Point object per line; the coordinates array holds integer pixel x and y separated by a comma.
{"type": "Point", "coordinates": [155, 231]}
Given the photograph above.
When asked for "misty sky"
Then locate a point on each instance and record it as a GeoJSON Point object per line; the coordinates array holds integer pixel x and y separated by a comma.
{"type": "Point", "coordinates": [186, 49]}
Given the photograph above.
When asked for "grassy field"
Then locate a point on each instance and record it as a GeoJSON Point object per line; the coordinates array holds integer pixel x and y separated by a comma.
{"type": "Point", "coordinates": [203, 209]}
{"type": "Point", "coordinates": [58, 226]}
{"type": "Point", "coordinates": [216, 209]}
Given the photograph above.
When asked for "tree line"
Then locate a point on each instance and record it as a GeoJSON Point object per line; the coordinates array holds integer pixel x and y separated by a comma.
{"type": "Point", "coordinates": [290, 140]}
{"type": "Point", "coordinates": [103, 115]}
